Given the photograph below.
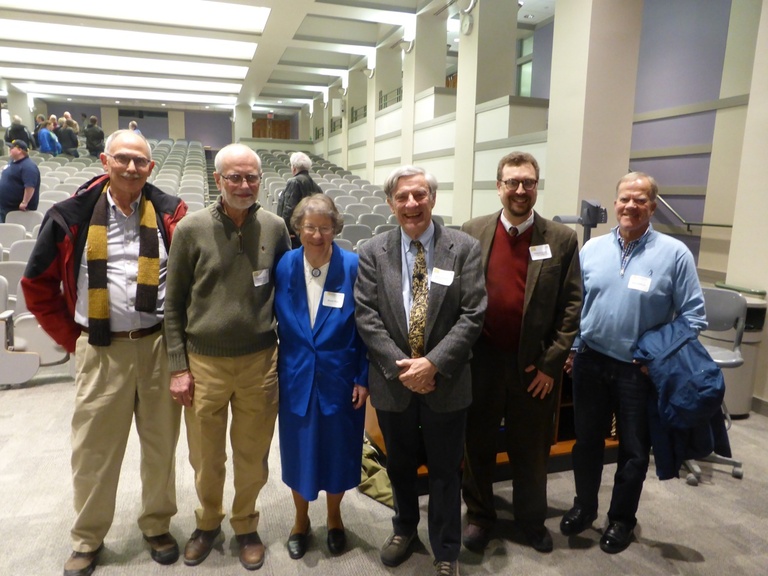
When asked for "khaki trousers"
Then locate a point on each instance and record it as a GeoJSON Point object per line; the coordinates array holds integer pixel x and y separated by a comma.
{"type": "Point", "coordinates": [248, 386]}
{"type": "Point", "coordinates": [116, 384]}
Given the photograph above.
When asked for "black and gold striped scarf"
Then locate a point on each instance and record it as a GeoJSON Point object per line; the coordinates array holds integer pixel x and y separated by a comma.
{"type": "Point", "coordinates": [99, 333]}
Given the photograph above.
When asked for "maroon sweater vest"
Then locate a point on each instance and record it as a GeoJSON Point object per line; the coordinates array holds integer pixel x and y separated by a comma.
{"type": "Point", "coordinates": [505, 283]}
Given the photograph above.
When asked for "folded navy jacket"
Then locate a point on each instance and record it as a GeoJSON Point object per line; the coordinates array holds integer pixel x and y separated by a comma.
{"type": "Point", "coordinates": [685, 414]}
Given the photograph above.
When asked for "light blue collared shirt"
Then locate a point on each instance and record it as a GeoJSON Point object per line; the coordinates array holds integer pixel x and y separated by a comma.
{"type": "Point", "coordinates": [408, 253]}
{"type": "Point", "coordinates": [122, 274]}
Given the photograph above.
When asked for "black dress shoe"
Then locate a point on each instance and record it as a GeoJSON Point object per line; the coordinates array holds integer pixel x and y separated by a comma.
{"type": "Point", "coordinates": [616, 538]}
{"type": "Point", "coordinates": [539, 538]}
{"type": "Point", "coordinates": [297, 544]}
{"type": "Point", "coordinates": [163, 548]}
{"type": "Point", "coordinates": [576, 520]}
{"type": "Point", "coordinates": [337, 540]}
{"type": "Point", "coordinates": [475, 538]}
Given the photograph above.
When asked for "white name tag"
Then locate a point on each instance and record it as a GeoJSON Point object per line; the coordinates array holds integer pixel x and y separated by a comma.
{"type": "Point", "coordinates": [442, 277]}
{"type": "Point", "coordinates": [333, 299]}
{"type": "Point", "coordinates": [641, 283]}
{"type": "Point", "coordinates": [540, 252]}
{"type": "Point", "coordinates": [261, 277]}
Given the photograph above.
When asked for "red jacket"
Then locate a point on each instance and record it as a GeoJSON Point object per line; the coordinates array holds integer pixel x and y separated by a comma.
{"type": "Point", "coordinates": [50, 279]}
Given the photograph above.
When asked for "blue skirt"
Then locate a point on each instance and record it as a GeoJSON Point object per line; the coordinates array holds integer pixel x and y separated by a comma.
{"type": "Point", "coordinates": [321, 452]}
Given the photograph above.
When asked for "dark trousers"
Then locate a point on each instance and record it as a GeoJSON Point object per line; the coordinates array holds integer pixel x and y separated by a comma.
{"type": "Point", "coordinates": [603, 386]}
{"type": "Point", "coordinates": [498, 392]}
{"type": "Point", "coordinates": [442, 434]}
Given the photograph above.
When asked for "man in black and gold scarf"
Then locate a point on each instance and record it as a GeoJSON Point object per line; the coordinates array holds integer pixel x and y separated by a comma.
{"type": "Point", "coordinates": [96, 284]}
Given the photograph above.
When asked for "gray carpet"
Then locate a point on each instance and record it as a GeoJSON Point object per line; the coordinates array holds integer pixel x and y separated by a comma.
{"type": "Point", "coordinates": [719, 527]}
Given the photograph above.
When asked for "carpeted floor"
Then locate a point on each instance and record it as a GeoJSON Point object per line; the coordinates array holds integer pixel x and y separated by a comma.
{"type": "Point", "coordinates": [719, 527]}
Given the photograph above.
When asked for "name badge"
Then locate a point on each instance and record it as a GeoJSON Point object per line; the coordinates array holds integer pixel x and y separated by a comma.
{"type": "Point", "coordinates": [642, 283]}
{"type": "Point", "coordinates": [333, 299]}
{"type": "Point", "coordinates": [540, 252]}
{"type": "Point", "coordinates": [442, 277]}
{"type": "Point", "coordinates": [261, 277]}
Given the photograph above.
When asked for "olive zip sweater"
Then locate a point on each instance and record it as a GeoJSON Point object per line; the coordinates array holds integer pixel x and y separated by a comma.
{"type": "Point", "coordinates": [220, 285]}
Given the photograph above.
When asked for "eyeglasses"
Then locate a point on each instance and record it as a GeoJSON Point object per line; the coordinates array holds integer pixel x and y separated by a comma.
{"type": "Point", "coordinates": [418, 196]}
{"type": "Point", "coordinates": [528, 184]}
{"type": "Point", "coordinates": [237, 179]}
{"type": "Point", "coordinates": [309, 229]}
{"type": "Point", "coordinates": [124, 160]}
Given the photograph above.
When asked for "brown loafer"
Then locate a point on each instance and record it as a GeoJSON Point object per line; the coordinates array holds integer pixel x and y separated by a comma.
{"type": "Point", "coordinates": [251, 551]}
{"type": "Point", "coordinates": [163, 548]}
{"type": "Point", "coordinates": [82, 563]}
{"type": "Point", "coordinates": [199, 545]}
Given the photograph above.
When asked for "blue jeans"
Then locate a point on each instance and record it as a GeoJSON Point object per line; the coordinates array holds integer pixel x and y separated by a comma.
{"type": "Point", "coordinates": [603, 386]}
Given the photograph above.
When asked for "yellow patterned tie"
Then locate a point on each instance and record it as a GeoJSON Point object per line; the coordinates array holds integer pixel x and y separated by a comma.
{"type": "Point", "coordinates": [419, 293]}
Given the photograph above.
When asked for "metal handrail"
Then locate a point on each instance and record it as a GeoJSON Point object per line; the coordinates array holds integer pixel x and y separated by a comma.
{"type": "Point", "coordinates": [685, 222]}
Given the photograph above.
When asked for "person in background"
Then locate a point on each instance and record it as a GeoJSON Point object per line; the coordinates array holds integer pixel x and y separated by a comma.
{"type": "Point", "coordinates": [222, 348]}
{"type": "Point", "coordinates": [71, 122]}
{"type": "Point", "coordinates": [420, 301]}
{"type": "Point", "coordinates": [94, 137]}
{"type": "Point", "coordinates": [297, 188]}
{"type": "Point", "coordinates": [48, 141]}
{"type": "Point", "coordinates": [39, 123]}
{"type": "Point", "coordinates": [133, 125]}
{"type": "Point", "coordinates": [18, 132]}
{"type": "Point", "coordinates": [322, 371]}
{"type": "Point", "coordinates": [19, 181]}
{"type": "Point", "coordinates": [635, 279]}
{"type": "Point", "coordinates": [534, 298]}
{"type": "Point", "coordinates": [96, 282]}
{"type": "Point", "coordinates": [68, 138]}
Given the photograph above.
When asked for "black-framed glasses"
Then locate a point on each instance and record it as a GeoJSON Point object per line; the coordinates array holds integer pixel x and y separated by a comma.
{"type": "Point", "coordinates": [237, 179]}
{"type": "Point", "coordinates": [324, 230]}
{"type": "Point", "coordinates": [528, 184]}
{"type": "Point", "coordinates": [125, 159]}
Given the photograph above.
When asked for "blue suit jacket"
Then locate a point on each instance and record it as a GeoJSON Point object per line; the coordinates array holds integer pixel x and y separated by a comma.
{"type": "Point", "coordinates": [331, 356]}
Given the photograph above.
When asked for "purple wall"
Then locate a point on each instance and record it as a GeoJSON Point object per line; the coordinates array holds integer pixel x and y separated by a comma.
{"type": "Point", "coordinates": [542, 61]}
{"type": "Point", "coordinates": [213, 129]}
{"type": "Point", "coordinates": [149, 126]}
{"type": "Point", "coordinates": [682, 50]}
{"type": "Point", "coordinates": [681, 131]}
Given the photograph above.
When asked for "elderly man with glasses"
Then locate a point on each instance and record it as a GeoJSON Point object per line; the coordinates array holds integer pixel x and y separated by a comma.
{"type": "Point", "coordinates": [532, 276]}
{"type": "Point", "coordinates": [222, 348]}
{"type": "Point", "coordinates": [96, 282]}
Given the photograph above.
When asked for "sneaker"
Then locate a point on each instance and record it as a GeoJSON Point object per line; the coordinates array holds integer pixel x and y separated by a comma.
{"type": "Point", "coordinates": [396, 549]}
{"type": "Point", "coordinates": [445, 568]}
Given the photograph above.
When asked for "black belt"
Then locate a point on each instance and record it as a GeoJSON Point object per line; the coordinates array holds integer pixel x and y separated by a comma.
{"type": "Point", "coordinates": [133, 334]}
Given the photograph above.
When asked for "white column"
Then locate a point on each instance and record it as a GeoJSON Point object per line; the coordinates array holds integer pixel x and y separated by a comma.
{"type": "Point", "coordinates": [748, 253]}
{"type": "Point", "coordinates": [728, 136]}
{"type": "Point", "coordinates": [487, 70]}
{"type": "Point", "coordinates": [592, 100]}
{"type": "Point", "coordinates": [242, 126]}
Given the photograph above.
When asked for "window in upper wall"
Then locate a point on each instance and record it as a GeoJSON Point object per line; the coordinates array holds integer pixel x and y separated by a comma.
{"type": "Point", "coordinates": [524, 65]}
{"type": "Point", "coordinates": [524, 79]}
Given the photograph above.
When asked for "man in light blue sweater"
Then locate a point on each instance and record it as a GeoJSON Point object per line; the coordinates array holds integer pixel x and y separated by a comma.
{"type": "Point", "coordinates": [634, 279]}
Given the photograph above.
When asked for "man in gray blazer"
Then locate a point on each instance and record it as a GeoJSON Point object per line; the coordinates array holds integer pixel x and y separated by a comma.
{"type": "Point", "coordinates": [533, 280]}
{"type": "Point", "coordinates": [419, 380]}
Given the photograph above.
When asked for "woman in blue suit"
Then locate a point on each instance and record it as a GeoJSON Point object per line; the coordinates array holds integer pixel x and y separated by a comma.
{"type": "Point", "coordinates": [322, 370]}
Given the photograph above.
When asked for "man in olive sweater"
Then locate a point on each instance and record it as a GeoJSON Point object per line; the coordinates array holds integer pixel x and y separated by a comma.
{"type": "Point", "coordinates": [222, 348]}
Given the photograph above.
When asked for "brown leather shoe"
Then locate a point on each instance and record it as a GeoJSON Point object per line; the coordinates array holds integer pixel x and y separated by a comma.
{"type": "Point", "coordinates": [82, 563]}
{"type": "Point", "coordinates": [163, 548]}
{"type": "Point", "coordinates": [199, 545]}
{"type": "Point", "coordinates": [251, 550]}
